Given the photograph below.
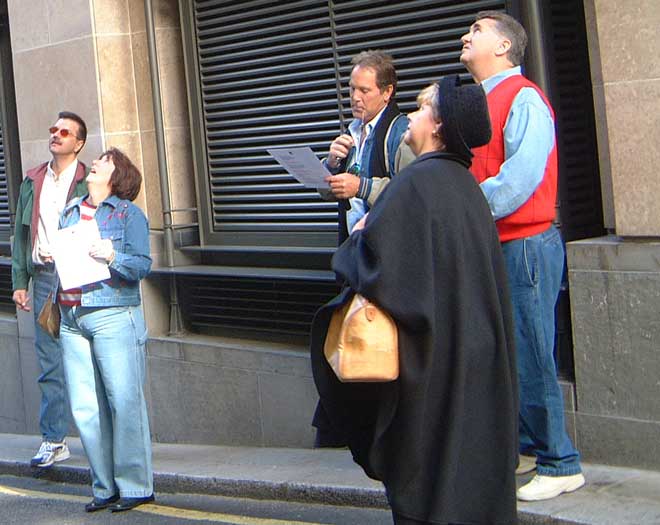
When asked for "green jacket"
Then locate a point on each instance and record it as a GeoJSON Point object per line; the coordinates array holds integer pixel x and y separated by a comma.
{"type": "Point", "coordinates": [27, 219]}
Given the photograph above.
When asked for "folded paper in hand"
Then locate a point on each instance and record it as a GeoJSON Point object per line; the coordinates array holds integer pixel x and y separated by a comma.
{"type": "Point", "coordinates": [303, 164]}
{"type": "Point", "coordinates": [75, 267]}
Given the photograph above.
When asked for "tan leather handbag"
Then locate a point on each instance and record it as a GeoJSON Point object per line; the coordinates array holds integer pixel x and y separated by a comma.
{"type": "Point", "coordinates": [362, 343]}
{"type": "Point", "coordinates": [49, 317]}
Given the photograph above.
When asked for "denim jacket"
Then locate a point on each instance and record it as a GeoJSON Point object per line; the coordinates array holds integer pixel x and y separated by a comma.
{"type": "Point", "coordinates": [124, 223]}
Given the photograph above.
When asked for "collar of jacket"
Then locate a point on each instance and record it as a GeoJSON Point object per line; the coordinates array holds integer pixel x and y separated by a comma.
{"type": "Point", "coordinates": [37, 176]}
{"type": "Point", "coordinates": [112, 200]}
{"type": "Point", "coordinates": [377, 166]}
{"type": "Point", "coordinates": [446, 156]}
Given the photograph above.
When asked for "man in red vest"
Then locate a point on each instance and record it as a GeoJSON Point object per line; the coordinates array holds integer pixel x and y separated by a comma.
{"type": "Point", "coordinates": [517, 171]}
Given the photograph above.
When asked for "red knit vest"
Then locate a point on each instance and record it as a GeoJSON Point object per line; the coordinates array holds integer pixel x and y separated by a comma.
{"type": "Point", "coordinates": [536, 215]}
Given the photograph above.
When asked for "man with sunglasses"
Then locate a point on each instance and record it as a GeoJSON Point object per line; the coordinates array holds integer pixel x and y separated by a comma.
{"type": "Point", "coordinates": [44, 192]}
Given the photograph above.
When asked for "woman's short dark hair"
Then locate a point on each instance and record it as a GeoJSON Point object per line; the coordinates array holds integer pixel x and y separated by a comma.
{"type": "Point", "coordinates": [381, 63]}
{"type": "Point", "coordinates": [510, 28]}
{"type": "Point", "coordinates": [126, 180]}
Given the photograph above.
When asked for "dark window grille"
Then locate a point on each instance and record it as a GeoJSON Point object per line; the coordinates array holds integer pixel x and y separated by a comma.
{"type": "Point", "coordinates": [268, 76]}
{"type": "Point", "coordinates": [275, 308]}
{"type": "Point", "coordinates": [580, 201]}
{"type": "Point", "coordinates": [6, 303]}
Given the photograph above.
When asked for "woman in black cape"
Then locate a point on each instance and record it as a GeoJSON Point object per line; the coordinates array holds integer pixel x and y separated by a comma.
{"type": "Point", "coordinates": [443, 437]}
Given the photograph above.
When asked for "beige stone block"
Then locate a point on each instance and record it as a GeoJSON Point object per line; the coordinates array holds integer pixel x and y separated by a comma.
{"type": "Point", "coordinates": [156, 304]}
{"type": "Point", "coordinates": [136, 15]}
{"type": "Point", "coordinates": [117, 83]}
{"type": "Point", "coordinates": [71, 85]}
{"type": "Point", "coordinates": [605, 168]}
{"type": "Point", "coordinates": [172, 77]}
{"type": "Point", "coordinates": [151, 179]}
{"type": "Point", "coordinates": [92, 150]}
{"type": "Point", "coordinates": [129, 144]}
{"type": "Point", "coordinates": [142, 81]}
{"type": "Point", "coordinates": [628, 38]}
{"type": "Point", "coordinates": [591, 27]}
{"type": "Point", "coordinates": [29, 24]}
{"type": "Point", "coordinates": [633, 120]}
{"type": "Point", "coordinates": [34, 152]}
{"type": "Point", "coordinates": [181, 174]}
{"type": "Point", "coordinates": [68, 19]}
{"type": "Point", "coordinates": [111, 17]}
{"type": "Point", "coordinates": [166, 13]}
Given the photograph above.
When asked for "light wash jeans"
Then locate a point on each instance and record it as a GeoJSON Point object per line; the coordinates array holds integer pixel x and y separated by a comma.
{"type": "Point", "coordinates": [535, 266]}
{"type": "Point", "coordinates": [104, 363]}
{"type": "Point", "coordinates": [53, 416]}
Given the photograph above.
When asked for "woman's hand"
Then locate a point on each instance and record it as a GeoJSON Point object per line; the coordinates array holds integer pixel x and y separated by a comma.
{"type": "Point", "coordinates": [359, 225]}
{"type": "Point", "coordinates": [103, 249]}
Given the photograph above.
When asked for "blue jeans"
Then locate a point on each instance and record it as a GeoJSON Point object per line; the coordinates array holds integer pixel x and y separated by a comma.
{"type": "Point", "coordinates": [53, 417]}
{"type": "Point", "coordinates": [104, 363]}
{"type": "Point", "coordinates": [535, 266]}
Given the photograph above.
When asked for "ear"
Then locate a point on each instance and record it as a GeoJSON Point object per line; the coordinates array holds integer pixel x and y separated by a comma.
{"type": "Point", "coordinates": [437, 132]}
{"type": "Point", "coordinates": [503, 47]}
{"type": "Point", "coordinates": [79, 146]}
{"type": "Point", "coordinates": [387, 92]}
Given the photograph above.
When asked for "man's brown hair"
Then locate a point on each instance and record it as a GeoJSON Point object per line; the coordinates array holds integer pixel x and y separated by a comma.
{"type": "Point", "coordinates": [381, 63]}
{"type": "Point", "coordinates": [126, 179]}
{"type": "Point", "coordinates": [511, 29]}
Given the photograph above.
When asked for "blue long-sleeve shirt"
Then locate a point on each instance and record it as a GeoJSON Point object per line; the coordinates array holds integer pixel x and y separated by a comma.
{"type": "Point", "coordinates": [529, 136]}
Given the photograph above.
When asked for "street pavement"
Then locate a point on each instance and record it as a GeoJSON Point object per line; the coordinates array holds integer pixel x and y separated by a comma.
{"type": "Point", "coordinates": [613, 495]}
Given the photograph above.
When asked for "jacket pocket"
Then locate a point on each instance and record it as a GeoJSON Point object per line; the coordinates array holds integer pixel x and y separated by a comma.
{"type": "Point", "coordinates": [117, 238]}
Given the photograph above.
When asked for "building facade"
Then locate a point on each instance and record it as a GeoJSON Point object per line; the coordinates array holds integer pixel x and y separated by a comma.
{"type": "Point", "coordinates": [196, 91]}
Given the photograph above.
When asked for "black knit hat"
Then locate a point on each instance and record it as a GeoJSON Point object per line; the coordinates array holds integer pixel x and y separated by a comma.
{"type": "Point", "coordinates": [464, 115]}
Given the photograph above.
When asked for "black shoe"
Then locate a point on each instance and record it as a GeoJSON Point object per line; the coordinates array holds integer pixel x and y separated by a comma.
{"type": "Point", "coordinates": [130, 503]}
{"type": "Point", "coordinates": [100, 503]}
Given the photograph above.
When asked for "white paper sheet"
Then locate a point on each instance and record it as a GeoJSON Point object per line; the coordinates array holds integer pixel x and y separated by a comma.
{"type": "Point", "coordinates": [74, 265]}
{"type": "Point", "coordinates": [303, 164]}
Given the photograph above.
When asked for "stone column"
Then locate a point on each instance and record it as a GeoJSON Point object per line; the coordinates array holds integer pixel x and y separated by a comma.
{"type": "Point", "coordinates": [615, 281]}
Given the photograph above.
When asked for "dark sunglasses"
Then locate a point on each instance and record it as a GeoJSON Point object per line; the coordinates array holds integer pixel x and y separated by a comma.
{"type": "Point", "coordinates": [64, 133]}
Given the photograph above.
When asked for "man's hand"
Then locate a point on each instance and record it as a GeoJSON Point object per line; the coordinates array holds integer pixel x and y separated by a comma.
{"type": "Point", "coordinates": [339, 150]}
{"type": "Point", "coordinates": [20, 297]}
{"type": "Point", "coordinates": [45, 255]}
{"type": "Point", "coordinates": [343, 185]}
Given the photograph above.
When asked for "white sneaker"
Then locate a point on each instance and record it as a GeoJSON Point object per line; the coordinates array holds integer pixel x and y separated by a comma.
{"type": "Point", "coordinates": [50, 452]}
{"type": "Point", "coordinates": [525, 464]}
{"type": "Point", "coordinates": [548, 487]}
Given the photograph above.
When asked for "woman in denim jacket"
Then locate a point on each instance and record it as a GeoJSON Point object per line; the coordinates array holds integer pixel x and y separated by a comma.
{"type": "Point", "coordinates": [103, 336]}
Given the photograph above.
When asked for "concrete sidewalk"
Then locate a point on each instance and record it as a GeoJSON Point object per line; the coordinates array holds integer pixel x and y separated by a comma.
{"type": "Point", "coordinates": [612, 495]}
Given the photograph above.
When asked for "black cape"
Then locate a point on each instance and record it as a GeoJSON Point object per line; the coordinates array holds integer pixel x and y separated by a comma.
{"type": "Point", "coordinates": [443, 437]}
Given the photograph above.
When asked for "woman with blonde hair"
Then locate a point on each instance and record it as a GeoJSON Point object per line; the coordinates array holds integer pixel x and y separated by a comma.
{"type": "Point", "coordinates": [443, 436]}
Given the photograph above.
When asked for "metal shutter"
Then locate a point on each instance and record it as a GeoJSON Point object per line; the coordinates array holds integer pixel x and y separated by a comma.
{"type": "Point", "coordinates": [276, 74]}
{"type": "Point", "coordinates": [5, 218]}
{"type": "Point", "coordinates": [423, 36]}
{"type": "Point", "coordinates": [253, 306]}
{"type": "Point", "coordinates": [268, 75]}
{"type": "Point", "coordinates": [580, 203]}
{"type": "Point", "coordinates": [267, 79]}
{"type": "Point", "coordinates": [6, 303]}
